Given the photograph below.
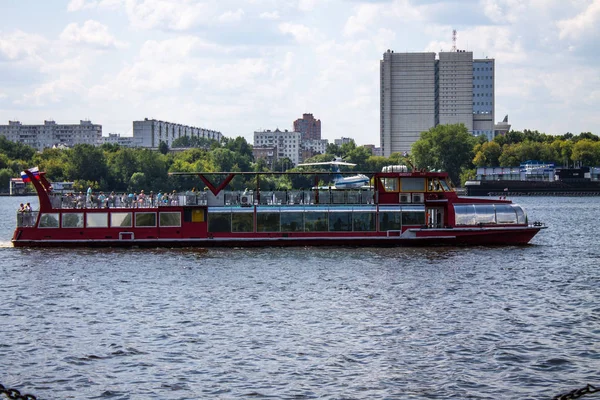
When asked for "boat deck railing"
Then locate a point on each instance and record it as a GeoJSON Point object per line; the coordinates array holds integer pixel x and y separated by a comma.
{"type": "Point", "coordinates": [225, 198]}
{"type": "Point", "coordinates": [26, 219]}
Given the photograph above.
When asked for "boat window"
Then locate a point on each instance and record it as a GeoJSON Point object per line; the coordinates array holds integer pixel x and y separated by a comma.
{"type": "Point", "coordinates": [390, 221]}
{"type": "Point", "coordinates": [505, 214]}
{"type": "Point", "coordinates": [521, 216]}
{"type": "Point", "coordinates": [292, 222]}
{"type": "Point", "coordinates": [166, 219]}
{"type": "Point", "coordinates": [242, 222]}
{"type": "Point", "coordinates": [315, 221]}
{"type": "Point", "coordinates": [390, 184]}
{"type": "Point", "coordinates": [485, 214]}
{"type": "Point", "coordinates": [97, 220]}
{"type": "Point", "coordinates": [434, 185]}
{"type": "Point", "coordinates": [445, 185]}
{"type": "Point", "coordinates": [49, 220]}
{"type": "Point", "coordinates": [413, 217]}
{"type": "Point", "coordinates": [363, 221]}
{"type": "Point", "coordinates": [72, 220]}
{"type": "Point", "coordinates": [340, 221]}
{"type": "Point", "coordinates": [120, 219]}
{"type": "Point", "coordinates": [267, 221]}
{"type": "Point", "coordinates": [412, 184]}
{"type": "Point", "coordinates": [145, 219]}
{"type": "Point", "coordinates": [219, 222]}
{"type": "Point", "coordinates": [464, 214]}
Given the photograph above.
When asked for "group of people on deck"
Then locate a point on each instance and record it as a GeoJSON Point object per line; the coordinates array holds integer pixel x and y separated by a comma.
{"type": "Point", "coordinates": [128, 200]}
{"type": "Point", "coordinates": [25, 214]}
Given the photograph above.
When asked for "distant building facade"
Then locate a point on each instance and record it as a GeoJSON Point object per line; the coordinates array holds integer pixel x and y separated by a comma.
{"type": "Point", "coordinates": [51, 134]}
{"type": "Point", "coordinates": [502, 127]}
{"type": "Point", "coordinates": [419, 92]}
{"type": "Point", "coordinates": [309, 127]}
{"type": "Point", "coordinates": [269, 154]}
{"type": "Point", "coordinates": [116, 138]}
{"type": "Point", "coordinates": [286, 144]}
{"type": "Point", "coordinates": [342, 140]}
{"type": "Point", "coordinates": [150, 132]}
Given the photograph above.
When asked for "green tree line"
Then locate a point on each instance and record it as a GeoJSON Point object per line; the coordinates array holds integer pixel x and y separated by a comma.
{"type": "Point", "coordinates": [449, 148]}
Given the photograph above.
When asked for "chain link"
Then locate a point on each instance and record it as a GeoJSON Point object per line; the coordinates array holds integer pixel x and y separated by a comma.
{"type": "Point", "coordinates": [577, 393]}
{"type": "Point", "coordinates": [14, 394]}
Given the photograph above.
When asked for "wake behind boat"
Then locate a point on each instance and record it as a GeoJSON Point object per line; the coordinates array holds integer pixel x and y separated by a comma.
{"type": "Point", "coordinates": [398, 208]}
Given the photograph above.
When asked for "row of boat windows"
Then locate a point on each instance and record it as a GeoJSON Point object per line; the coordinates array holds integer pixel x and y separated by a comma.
{"type": "Point", "coordinates": [315, 221]}
{"type": "Point", "coordinates": [480, 214]}
{"type": "Point", "coordinates": [414, 184]}
{"type": "Point", "coordinates": [116, 219]}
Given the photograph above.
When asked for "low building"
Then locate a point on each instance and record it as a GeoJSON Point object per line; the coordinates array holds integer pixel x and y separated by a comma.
{"type": "Point", "coordinates": [150, 132]}
{"type": "Point", "coordinates": [342, 140]}
{"type": "Point", "coordinates": [269, 154]}
{"type": "Point", "coordinates": [286, 144]}
{"type": "Point", "coordinates": [116, 138]}
{"type": "Point", "coordinates": [51, 134]}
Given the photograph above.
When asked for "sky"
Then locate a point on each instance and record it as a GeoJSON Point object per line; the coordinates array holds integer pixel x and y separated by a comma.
{"type": "Point", "coordinates": [242, 66]}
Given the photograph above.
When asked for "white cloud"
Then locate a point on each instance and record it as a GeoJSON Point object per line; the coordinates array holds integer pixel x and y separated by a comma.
{"type": "Point", "coordinates": [169, 14]}
{"type": "Point", "coordinates": [366, 15]}
{"type": "Point", "coordinates": [273, 15]}
{"type": "Point", "coordinates": [90, 33]}
{"type": "Point", "coordinates": [302, 33]}
{"type": "Point", "coordinates": [77, 5]}
{"type": "Point", "coordinates": [232, 16]}
{"type": "Point", "coordinates": [307, 5]}
{"type": "Point", "coordinates": [585, 22]}
{"type": "Point", "coordinates": [20, 45]}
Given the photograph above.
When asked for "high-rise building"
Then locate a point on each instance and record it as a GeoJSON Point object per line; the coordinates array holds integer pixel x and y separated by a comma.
{"type": "Point", "coordinates": [150, 132]}
{"type": "Point", "coordinates": [309, 127]}
{"type": "Point", "coordinates": [52, 134]}
{"type": "Point", "coordinates": [419, 92]}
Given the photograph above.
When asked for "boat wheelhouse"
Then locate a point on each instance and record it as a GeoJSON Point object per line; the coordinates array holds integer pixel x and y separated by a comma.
{"type": "Point", "coordinates": [398, 208]}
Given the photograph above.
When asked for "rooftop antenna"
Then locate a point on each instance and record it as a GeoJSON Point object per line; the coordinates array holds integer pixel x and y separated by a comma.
{"type": "Point", "coordinates": [454, 40]}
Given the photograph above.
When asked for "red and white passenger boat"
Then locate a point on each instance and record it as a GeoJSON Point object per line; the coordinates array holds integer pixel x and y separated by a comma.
{"type": "Point", "coordinates": [397, 209]}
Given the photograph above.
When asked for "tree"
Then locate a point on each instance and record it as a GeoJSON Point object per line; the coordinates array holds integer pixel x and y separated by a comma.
{"type": "Point", "coordinates": [487, 154]}
{"type": "Point", "coordinates": [5, 175]}
{"type": "Point", "coordinates": [445, 147]}
{"type": "Point", "coordinates": [358, 156]}
{"type": "Point", "coordinates": [85, 162]}
{"type": "Point", "coordinates": [163, 147]}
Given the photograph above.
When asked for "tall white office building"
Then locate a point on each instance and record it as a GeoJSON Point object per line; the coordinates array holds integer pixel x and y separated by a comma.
{"type": "Point", "coordinates": [419, 92]}
{"type": "Point", "coordinates": [51, 134]}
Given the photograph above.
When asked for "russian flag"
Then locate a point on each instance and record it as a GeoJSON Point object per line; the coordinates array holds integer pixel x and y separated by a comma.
{"type": "Point", "coordinates": [35, 171]}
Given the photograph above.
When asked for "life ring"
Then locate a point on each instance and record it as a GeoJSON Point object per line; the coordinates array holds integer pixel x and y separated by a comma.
{"type": "Point", "coordinates": [432, 196]}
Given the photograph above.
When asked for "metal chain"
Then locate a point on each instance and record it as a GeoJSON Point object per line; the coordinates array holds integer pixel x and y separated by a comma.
{"type": "Point", "coordinates": [577, 393]}
{"type": "Point", "coordinates": [14, 394]}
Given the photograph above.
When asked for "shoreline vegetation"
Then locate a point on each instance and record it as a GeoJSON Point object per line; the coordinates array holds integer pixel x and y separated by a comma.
{"type": "Point", "coordinates": [449, 148]}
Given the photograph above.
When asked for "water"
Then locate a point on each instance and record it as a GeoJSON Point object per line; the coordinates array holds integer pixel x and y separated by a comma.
{"type": "Point", "coordinates": [433, 323]}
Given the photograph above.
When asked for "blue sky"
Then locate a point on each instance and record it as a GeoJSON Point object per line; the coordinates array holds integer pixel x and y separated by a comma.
{"type": "Point", "coordinates": [239, 66]}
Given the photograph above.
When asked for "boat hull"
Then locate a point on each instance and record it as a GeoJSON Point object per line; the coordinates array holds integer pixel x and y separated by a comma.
{"type": "Point", "coordinates": [411, 237]}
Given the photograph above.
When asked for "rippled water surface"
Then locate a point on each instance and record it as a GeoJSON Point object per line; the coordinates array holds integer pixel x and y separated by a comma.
{"type": "Point", "coordinates": [432, 323]}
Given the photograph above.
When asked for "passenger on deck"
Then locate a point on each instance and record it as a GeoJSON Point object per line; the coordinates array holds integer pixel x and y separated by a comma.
{"type": "Point", "coordinates": [101, 200]}
{"type": "Point", "coordinates": [141, 199]}
{"type": "Point", "coordinates": [21, 208]}
{"type": "Point", "coordinates": [80, 200]}
{"type": "Point", "coordinates": [89, 196]}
